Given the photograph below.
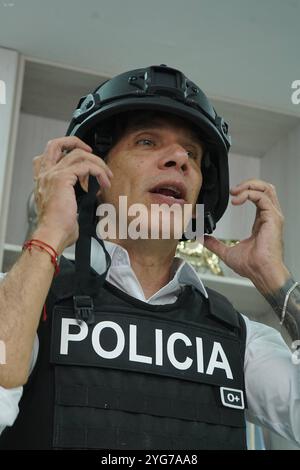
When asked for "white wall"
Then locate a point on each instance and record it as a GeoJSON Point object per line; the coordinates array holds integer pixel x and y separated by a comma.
{"type": "Point", "coordinates": [281, 166]}
{"type": "Point", "coordinates": [8, 76]}
{"type": "Point", "coordinates": [9, 69]}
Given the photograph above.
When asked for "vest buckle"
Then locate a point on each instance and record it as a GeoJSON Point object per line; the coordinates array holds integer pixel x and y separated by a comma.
{"type": "Point", "coordinates": [84, 309]}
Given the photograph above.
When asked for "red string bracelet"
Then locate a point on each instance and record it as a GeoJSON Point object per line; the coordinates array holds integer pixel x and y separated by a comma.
{"type": "Point", "coordinates": [53, 255]}
{"type": "Point", "coordinates": [44, 246]}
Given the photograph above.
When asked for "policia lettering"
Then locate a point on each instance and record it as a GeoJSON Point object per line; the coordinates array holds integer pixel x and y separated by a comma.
{"type": "Point", "coordinates": [109, 338]}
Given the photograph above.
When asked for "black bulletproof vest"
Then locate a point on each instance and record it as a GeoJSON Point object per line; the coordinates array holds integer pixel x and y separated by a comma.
{"type": "Point", "coordinates": [133, 375]}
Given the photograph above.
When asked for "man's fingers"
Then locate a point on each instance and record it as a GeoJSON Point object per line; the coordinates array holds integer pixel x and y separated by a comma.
{"type": "Point", "coordinates": [216, 246]}
{"type": "Point", "coordinates": [57, 147]}
{"type": "Point", "coordinates": [264, 196]}
{"type": "Point", "coordinates": [36, 166]}
{"type": "Point", "coordinates": [42, 163]}
{"type": "Point", "coordinates": [84, 182]}
{"type": "Point", "coordinates": [252, 184]}
{"type": "Point", "coordinates": [257, 185]}
{"type": "Point", "coordinates": [55, 151]}
{"type": "Point", "coordinates": [79, 155]}
{"type": "Point", "coordinates": [260, 199]}
{"type": "Point", "coordinates": [81, 171]}
{"type": "Point", "coordinates": [265, 209]}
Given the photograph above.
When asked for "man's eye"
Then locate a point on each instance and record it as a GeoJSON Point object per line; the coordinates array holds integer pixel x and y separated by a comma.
{"type": "Point", "coordinates": [147, 142]}
{"type": "Point", "coordinates": [192, 154]}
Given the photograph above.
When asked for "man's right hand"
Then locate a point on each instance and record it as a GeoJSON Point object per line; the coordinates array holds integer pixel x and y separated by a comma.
{"type": "Point", "coordinates": [56, 171]}
{"type": "Point", "coordinates": [25, 287]}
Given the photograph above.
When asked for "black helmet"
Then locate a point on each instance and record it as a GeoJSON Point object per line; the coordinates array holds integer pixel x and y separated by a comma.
{"type": "Point", "coordinates": [163, 89]}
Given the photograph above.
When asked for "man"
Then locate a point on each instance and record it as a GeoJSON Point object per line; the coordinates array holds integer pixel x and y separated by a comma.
{"type": "Point", "coordinates": [149, 358]}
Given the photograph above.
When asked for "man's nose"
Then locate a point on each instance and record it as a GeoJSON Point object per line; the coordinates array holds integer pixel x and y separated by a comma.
{"type": "Point", "coordinates": [174, 155]}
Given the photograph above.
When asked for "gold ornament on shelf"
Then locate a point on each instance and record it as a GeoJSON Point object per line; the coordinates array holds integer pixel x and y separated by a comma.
{"type": "Point", "coordinates": [203, 260]}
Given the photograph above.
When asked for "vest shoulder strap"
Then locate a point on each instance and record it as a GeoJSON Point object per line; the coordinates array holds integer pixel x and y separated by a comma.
{"type": "Point", "coordinates": [222, 308]}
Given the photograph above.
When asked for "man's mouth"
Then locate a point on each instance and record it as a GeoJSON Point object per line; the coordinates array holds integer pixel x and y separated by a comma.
{"type": "Point", "coordinates": [174, 192]}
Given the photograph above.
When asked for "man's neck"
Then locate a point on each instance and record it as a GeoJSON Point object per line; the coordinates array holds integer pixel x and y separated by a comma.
{"type": "Point", "coordinates": [151, 262]}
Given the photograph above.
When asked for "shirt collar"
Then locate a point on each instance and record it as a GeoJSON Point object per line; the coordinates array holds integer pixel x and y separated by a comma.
{"type": "Point", "coordinates": [181, 272]}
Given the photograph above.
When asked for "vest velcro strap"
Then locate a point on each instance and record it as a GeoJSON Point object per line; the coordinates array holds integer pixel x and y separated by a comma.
{"type": "Point", "coordinates": [121, 438]}
{"type": "Point", "coordinates": [146, 403]}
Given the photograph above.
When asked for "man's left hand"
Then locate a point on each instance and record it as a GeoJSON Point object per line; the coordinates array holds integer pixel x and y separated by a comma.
{"type": "Point", "coordinates": [259, 257]}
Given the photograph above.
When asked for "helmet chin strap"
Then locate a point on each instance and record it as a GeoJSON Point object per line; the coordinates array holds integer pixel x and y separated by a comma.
{"type": "Point", "coordinates": [87, 281]}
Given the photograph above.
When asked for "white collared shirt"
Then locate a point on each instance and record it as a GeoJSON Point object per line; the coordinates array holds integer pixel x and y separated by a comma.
{"type": "Point", "coordinates": [122, 276]}
{"type": "Point", "coordinates": [272, 379]}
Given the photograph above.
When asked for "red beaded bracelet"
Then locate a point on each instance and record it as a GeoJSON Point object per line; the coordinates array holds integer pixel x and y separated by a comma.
{"type": "Point", "coordinates": [44, 246]}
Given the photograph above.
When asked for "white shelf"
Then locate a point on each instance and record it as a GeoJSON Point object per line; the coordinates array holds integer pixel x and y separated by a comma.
{"type": "Point", "coordinates": [12, 248]}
